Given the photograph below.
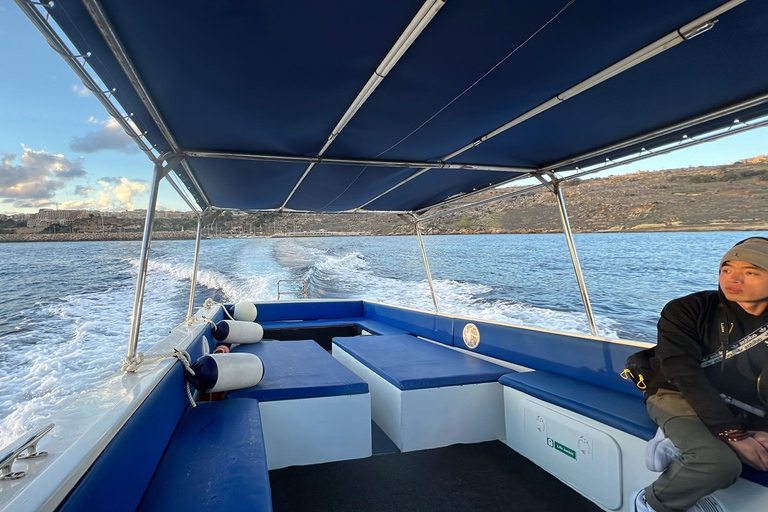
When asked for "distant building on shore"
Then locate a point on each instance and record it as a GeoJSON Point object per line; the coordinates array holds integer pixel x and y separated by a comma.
{"type": "Point", "coordinates": [47, 216]}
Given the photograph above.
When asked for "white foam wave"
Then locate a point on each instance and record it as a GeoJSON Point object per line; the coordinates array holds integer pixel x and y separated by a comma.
{"type": "Point", "coordinates": [66, 346]}
{"type": "Point", "coordinates": [73, 344]}
{"type": "Point", "coordinates": [71, 347]}
{"type": "Point", "coordinates": [233, 288]}
{"type": "Point", "coordinates": [351, 275]}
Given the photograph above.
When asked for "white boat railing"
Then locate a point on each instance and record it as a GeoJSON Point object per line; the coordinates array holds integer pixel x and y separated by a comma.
{"type": "Point", "coordinates": [301, 293]}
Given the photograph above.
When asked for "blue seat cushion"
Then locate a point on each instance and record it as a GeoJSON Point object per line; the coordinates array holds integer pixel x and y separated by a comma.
{"type": "Point", "coordinates": [759, 477]}
{"type": "Point", "coordinates": [369, 325]}
{"type": "Point", "coordinates": [215, 460]}
{"type": "Point", "coordinates": [613, 408]}
{"type": "Point", "coordinates": [298, 369]}
{"type": "Point", "coordinates": [308, 310]}
{"type": "Point", "coordinates": [619, 410]}
{"type": "Point", "coordinates": [420, 323]}
{"type": "Point", "coordinates": [408, 362]}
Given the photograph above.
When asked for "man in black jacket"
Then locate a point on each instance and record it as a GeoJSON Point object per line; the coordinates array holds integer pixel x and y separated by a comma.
{"type": "Point", "coordinates": [712, 347]}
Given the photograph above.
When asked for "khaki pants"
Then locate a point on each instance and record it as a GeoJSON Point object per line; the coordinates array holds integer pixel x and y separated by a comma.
{"type": "Point", "coordinates": [706, 463]}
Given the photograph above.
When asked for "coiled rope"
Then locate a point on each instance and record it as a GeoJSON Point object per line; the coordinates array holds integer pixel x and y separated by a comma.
{"type": "Point", "coordinates": [210, 303]}
{"type": "Point", "coordinates": [131, 364]}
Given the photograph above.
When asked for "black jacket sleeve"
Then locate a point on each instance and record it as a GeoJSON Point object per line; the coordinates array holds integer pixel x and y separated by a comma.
{"type": "Point", "coordinates": [680, 351]}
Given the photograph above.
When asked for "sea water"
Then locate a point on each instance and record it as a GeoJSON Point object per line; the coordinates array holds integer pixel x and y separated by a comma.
{"type": "Point", "coordinates": [65, 307]}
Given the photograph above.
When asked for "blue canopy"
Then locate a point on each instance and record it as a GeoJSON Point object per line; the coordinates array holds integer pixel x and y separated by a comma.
{"type": "Point", "coordinates": [273, 79]}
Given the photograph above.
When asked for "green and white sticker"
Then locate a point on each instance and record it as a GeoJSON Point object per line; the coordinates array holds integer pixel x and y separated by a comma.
{"type": "Point", "coordinates": [561, 448]}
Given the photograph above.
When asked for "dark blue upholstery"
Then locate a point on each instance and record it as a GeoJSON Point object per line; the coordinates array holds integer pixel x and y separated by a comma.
{"type": "Point", "coordinates": [298, 369]}
{"type": "Point", "coordinates": [586, 359]}
{"type": "Point", "coordinates": [272, 311]}
{"type": "Point", "coordinates": [619, 410]}
{"type": "Point", "coordinates": [241, 87]}
{"type": "Point", "coordinates": [216, 460]}
{"type": "Point", "coordinates": [428, 325]}
{"type": "Point", "coordinates": [369, 325]}
{"type": "Point", "coordinates": [123, 470]}
{"type": "Point", "coordinates": [753, 475]}
{"type": "Point", "coordinates": [381, 328]}
{"type": "Point", "coordinates": [410, 363]}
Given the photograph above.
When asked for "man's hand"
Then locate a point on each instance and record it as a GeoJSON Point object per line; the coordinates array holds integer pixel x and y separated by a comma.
{"type": "Point", "coordinates": [760, 436]}
{"type": "Point", "coordinates": [753, 450]}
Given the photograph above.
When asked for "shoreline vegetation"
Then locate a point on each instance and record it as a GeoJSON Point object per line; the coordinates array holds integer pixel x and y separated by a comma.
{"type": "Point", "coordinates": [730, 197]}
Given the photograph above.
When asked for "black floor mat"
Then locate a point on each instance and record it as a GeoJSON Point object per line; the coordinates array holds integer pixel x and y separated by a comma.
{"type": "Point", "coordinates": [476, 477]}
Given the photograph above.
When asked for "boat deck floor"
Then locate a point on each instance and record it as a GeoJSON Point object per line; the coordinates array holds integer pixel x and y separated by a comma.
{"type": "Point", "coordinates": [485, 476]}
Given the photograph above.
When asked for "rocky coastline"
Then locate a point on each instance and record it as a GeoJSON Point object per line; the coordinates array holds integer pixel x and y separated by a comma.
{"type": "Point", "coordinates": [718, 198]}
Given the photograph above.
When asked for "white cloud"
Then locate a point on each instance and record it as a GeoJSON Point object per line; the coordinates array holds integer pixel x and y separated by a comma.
{"type": "Point", "coordinates": [36, 176]}
{"type": "Point", "coordinates": [127, 190]}
{"type": "Point", "coordinates": [119, 193]}
{"type": "Point", "coordinates": [77, 205]}
{"type": "Point", "coordinates": [81, 91]}
{"type": "Point", "coordinates": [37, 204]}
{"type": "Point", "coordinates": [82, 191]}
{"type": "Point", "coordinates": [110, 136]}
{"type": "Point", "coordinates": [103, 199]}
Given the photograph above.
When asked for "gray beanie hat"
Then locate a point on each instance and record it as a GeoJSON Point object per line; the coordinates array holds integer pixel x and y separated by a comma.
{"type": "Point", "coordinates": [751, 250]}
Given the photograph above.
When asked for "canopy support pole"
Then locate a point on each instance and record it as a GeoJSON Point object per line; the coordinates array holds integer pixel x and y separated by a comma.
{"type": "Point", "coordinates": [555, 186]}
{"type": "Point", "coordinates": [198, 236]}
{"type": "Point", "coordinates": [138, 300]}
{"type": "Point", "coordinates": [417, 227]}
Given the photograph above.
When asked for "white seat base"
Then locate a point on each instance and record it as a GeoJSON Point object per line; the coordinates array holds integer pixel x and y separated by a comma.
{"type": "Point", "coordinates": [429, 418]}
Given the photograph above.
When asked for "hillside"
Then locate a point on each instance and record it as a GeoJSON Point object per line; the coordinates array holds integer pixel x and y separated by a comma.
{"type": "Point", "coordinates": [729, 197]}
{"type": "Point", "coordinates": [732, 197]}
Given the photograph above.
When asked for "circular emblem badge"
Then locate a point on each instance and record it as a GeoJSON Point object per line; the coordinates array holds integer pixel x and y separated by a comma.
{"type": "Point", "coordinates": [471, 336]}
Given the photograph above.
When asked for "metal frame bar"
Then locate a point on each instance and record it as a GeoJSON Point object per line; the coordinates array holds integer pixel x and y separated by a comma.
{"type": "Point", "coordinates": [288, 210]}
{"type": "Point", "coordinates": [733, 110]}
{"type": "Point", "coordinates": [203, 195]}
{"type": "Point", "coordinates": [644, 153]}
{"type": "Point", "coordinates": [684, 33]}
{"type": "Point", "coordinates": [688, 31]}
{"type": "Point", "coordinates": [352, 161]}
{"type": "Point", "coordinates": [193, 279]}
{"type": "Point", "coordinates": [55, 40]}
{"type": "Point", "coordinates": [107, 31]}
{"type": "Point", "coordinates": [417, 227]}
{"type": "Point", "coordinates": [557, 189]}
{"type": "Point", "coordinates": [403, 43]}
{"type": "Point", "coordinates": [684, 143]}
{"type": "Point", "coordinates": [480, 203]}
{"type": "Point", "coordinates": [60, 47]}
{"type": "Point", "coordinates": [138, 300]}
{"type": "Point", "coordinates": [180, 190]}
{"type": "Point", "coordinates": [110, 37]}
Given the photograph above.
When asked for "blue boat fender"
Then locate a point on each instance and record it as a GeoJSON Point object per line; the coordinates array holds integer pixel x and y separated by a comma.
{"type": "Point", "coordinates": [243, 311]}
{"type": "Point", "coordinates": [232, 331]}
{"type": "Point", "coordinates": [215, 373]}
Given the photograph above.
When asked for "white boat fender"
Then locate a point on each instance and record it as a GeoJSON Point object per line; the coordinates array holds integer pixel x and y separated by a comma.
{"type": "Point", "coordinates": [244, 311]}
{"type": "Point", "coordinates": [232, 331]}
{"type": "Point", "coordinates": [215, 373]}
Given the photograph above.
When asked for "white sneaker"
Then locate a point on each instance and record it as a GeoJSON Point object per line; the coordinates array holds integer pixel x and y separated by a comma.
{"type": "Point", "coordinates": [659, 452]}
{"type": "Point", "coordinates": [638, 503]}
{"type": "Point", "coordinates": [708, 504]}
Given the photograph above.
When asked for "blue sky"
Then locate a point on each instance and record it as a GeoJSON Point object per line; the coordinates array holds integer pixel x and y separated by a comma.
{"type": "Point", "coordinates": [59, 148]}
